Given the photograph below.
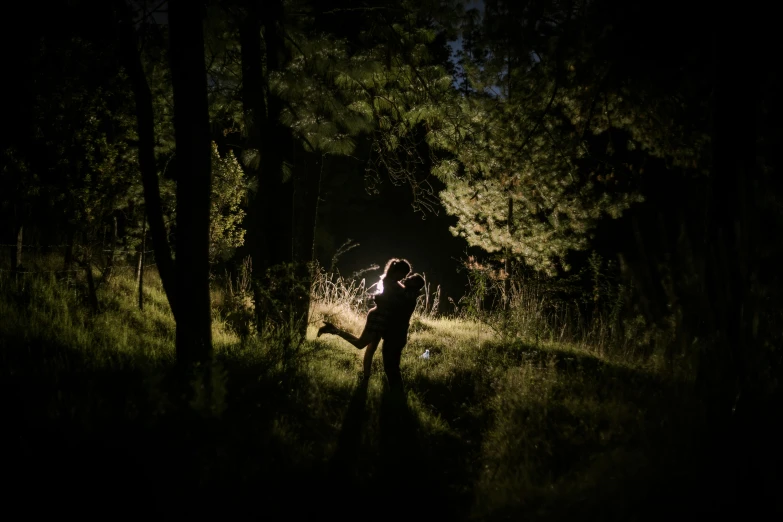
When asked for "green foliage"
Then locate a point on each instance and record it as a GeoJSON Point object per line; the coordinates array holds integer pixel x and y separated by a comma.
{"type": "Point", "coordinates": [316, 105]}
{"type": "Point", "coordinates": [229, 192]}
{"type": "Point", "coordinates": [83, 133]}
{"type": "Point", "coordinates": [320, 108]}
{"type": "Point", "coordinates": [283, 295]}
{"type": "Point", "coordinates": [537, 145]}
{"type": "Point", "coordinates": [75, 168]}
{"type": "Point", "coordinates": [513, 183]}
{"type": "Point", "coordinates": [223, 53]}
{"type": "Point", "coordinates": [237, 304]}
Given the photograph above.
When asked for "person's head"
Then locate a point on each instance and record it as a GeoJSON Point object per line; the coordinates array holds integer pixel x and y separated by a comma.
{"type": "Point", "coordinates": [414, 282]}
{"type": "Point", "coordinates": [396, 269]}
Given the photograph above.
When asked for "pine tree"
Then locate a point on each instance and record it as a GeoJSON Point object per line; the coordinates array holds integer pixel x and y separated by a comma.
{"type": "Point", "coordinates": [542, 146]}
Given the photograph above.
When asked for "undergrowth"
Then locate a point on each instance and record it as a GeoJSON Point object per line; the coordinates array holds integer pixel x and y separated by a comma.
{"type": "Point", "coordinates": [491, 425]}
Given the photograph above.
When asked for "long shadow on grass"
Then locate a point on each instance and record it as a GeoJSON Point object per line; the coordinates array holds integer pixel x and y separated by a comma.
{"type": "Point", "coordinates": [401, 488]}
{"type": "Point", "coordinates": [345, 457]}
{"type": "Point", "coordinates": [406, 488]}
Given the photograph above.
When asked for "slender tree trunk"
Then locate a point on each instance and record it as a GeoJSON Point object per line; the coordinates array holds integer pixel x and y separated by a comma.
{"type": "Point", "coordinates": [278, 193]}
{"type": "Point", "coordinates": [254, 108]}
{"type": "Point", "coordinates": [149, 174]}
{"type": "Point", "coordinates": [192, 137]}
{"type": "Point", "coordinates": [140, 272]}
{"type": "Point", "coordinates": [306, 196]}
{"type": "Point", "coordinates": [253, 103]}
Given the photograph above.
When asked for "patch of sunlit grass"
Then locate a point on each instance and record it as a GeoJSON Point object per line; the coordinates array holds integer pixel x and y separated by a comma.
{"type": "Point", "coordinates": [43, 309]}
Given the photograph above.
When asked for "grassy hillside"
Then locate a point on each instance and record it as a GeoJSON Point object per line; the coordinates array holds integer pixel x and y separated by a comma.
{"type": "Point", "coordinates": [489, 428]}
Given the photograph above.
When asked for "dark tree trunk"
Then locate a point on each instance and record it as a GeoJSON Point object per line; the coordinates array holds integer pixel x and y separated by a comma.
{"type": "Point", "coordinates": [270, 230]}
{"type": "Point", "coordinates": [149, 174]}
{"type": "Point", "coordinates": [307, 193]}
{"type": "Point", "coordinates": [192, 138]}
{"type": "Point", "coordinates": [254, 105]}
{"type": "Point", "coordinates": [277, 193]}
{"type": "Point", "coordinates": [254, 108]}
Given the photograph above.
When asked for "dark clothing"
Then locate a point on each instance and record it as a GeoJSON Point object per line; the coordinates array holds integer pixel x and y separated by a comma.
{"type": "Point", "coordinates": [376, 322]}
{"type": "Point", "coordinates": [395, 337]}
{"type": "Point", "coordinates": [392, 353]}
{"type": "Point", "coordinates": [385, 303]}
{"type": "Point", "coordinates": [399, 315]}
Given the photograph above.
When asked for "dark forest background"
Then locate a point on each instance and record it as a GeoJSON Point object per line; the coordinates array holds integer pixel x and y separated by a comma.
{"type": "Point", "coordinates": [585, 180]}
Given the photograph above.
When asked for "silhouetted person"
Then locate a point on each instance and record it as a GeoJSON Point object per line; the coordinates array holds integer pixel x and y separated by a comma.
{"type": "Point", "coordinates": [395, 321]}
{"type": "Point", "coordinates": [388, 320]}
{"type": "Point", "coordinates": [375, 325]}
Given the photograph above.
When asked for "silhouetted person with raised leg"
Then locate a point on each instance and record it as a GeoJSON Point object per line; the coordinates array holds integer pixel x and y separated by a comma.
{"type": "Point", "coordinates": [389, 322]}
{"type": "Point", "coordinates": [391, 297]}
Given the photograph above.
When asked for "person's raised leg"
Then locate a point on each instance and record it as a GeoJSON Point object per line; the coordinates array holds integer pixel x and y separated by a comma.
{"type": "Point", "coordinates": [358, 342]}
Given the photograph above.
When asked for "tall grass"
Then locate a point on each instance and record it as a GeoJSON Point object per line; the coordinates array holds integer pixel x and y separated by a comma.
{"type": "Point", "coordinates": [501, 420]}
{"type": "Point", "coordinates": [592, 311]}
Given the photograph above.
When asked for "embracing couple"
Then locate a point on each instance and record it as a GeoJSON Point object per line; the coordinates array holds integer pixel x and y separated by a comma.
{"type": "Point", "coordinates": [387, 321]}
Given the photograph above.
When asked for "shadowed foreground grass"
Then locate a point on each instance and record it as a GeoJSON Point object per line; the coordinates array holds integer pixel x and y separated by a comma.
{"type": "Point", "coordinates": [487, 429]}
